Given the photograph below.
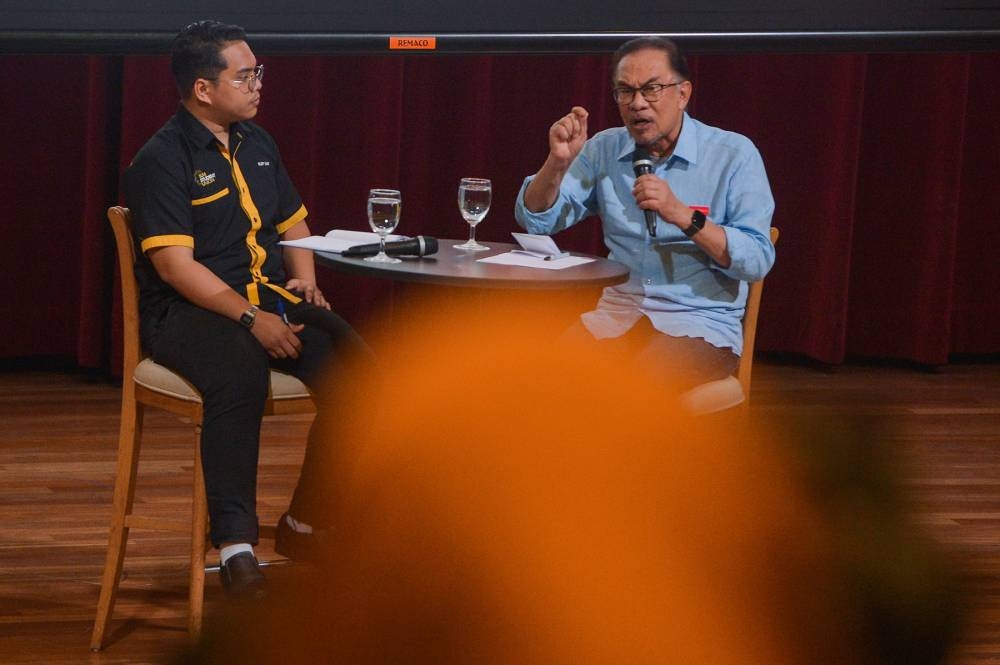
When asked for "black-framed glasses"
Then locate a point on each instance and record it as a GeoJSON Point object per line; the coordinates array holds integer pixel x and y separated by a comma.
{"type": "Point", "coordinates": [651, 92]}
{"type": "Point", "coordinates": [249, 81]}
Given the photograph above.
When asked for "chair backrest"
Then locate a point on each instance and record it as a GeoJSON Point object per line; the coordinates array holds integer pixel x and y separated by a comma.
{"type": "Point", "coordinates": [121, 224]}
{"type": "Point", "coordinates": [745, 367]}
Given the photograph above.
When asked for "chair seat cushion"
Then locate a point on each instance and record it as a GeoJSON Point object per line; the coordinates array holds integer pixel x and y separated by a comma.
{"type": "Point", "coordinates": [159, 379]}
{"type": "Point", "coordinates": [713, 396]}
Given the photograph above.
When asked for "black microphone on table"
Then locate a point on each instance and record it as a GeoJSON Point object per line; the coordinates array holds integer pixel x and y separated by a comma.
{"type": "Point", "coordinates": [642, 163]}
{"type": "Point", "coordinates": [417, 246]}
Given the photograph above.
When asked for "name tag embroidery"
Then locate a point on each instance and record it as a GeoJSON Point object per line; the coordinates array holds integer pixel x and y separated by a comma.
{"type": "Point", "coordinates": [204, 179]}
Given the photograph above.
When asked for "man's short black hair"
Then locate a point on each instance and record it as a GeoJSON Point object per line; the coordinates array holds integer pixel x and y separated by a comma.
{"type": "Point", "coordinates": [195, 52]}
{"type": "Point", "coordinates": [668, 46]}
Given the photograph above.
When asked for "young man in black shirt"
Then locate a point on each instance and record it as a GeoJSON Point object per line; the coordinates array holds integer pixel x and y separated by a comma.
{"type": "Point", "coordinates": [221, 302]}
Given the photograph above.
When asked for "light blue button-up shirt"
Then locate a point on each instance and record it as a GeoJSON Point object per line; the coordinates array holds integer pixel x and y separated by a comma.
{"type": "Point", "coordinates": [673, 282]}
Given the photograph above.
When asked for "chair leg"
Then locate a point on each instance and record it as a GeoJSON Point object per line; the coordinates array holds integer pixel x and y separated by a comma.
{"type": "Point", "coordinates": [199, 529]}
{"type": "Point", "coordinates": [199, 545]}
{"type": "Point", "coordinates": [128, 461]}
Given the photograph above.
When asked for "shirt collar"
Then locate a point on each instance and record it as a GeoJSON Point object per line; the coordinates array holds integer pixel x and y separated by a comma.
{"type": "Point", "coordinates": [687, 142]}
{"type": "Point", "coordinates": [200, 135]}
{"type": "Point", "coordinates": [686, 148]}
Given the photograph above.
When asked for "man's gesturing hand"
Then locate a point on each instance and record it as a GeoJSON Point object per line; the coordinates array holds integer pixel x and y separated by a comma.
{"type": "Point", "coordinates": [567, 136]}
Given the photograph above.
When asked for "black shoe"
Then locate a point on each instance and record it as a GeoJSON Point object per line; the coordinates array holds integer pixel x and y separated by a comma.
{"type": "Point", "coordinates": [241, 577]}
{"type": "Point", "coordinates": [296, 545]}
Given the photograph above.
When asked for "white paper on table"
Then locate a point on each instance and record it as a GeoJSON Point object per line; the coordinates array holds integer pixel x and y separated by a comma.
{"type": "Point", "coordinates": [539, 245]}
{"type": "Point", "coordinates": [338, 240]}
{"type": "Point", "coordinates": [517, 258]}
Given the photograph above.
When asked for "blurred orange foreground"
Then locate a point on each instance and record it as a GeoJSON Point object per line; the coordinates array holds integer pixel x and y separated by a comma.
{"type": "Point", "coordinates": [502, 498]}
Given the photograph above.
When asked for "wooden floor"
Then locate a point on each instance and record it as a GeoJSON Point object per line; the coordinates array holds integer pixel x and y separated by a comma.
{"type": "Point", "coordinates": [57, 451]}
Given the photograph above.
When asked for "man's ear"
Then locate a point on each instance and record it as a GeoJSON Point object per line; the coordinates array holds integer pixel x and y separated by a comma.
{"type": "Point", "coordinates": [202, 91]}
{"type": "Point", "coordinates": [685, 94]}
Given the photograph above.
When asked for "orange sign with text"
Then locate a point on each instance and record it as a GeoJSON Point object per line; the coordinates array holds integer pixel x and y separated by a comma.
{"type": "Point", "coordinates": [413, 43]}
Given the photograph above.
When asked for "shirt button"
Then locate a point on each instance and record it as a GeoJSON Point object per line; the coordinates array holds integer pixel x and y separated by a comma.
{"type": "Point", "coordinates": [648, 281]}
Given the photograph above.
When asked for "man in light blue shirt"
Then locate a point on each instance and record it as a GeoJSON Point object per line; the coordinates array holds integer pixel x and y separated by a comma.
{"type": "Point", "coordinates": [683, 304]}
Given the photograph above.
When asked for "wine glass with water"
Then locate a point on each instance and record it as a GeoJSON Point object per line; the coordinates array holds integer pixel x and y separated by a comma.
{"type": "Point", "coordinates": [474, 195]}
{"type": "Point", "coordinates": [383, 215]}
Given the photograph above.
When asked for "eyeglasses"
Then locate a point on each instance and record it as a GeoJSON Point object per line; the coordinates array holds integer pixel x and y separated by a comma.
{"type": "Point", "coordinates": [650, 92]}
{"type": "Point", "coordinates": [250, 81]}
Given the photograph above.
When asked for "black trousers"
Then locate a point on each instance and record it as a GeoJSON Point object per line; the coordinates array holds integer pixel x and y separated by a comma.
{"type": "Point", "coordinates": [230, 369]}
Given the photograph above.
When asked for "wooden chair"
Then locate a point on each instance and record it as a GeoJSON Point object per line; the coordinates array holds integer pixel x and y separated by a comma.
{"type": "Point", "coordinates": [732, 391]}
{"type": "Point", "coordinates": [144, 383]}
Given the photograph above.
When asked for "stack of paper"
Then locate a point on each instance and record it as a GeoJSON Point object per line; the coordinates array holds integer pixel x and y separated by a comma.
{"type": "Point", "coordinates": [338, 240]}
{"type": "Point", "coordinates": [537, 251]}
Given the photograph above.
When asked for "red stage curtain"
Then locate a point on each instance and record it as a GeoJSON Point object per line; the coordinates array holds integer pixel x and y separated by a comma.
{"type": "Point", "coordinates": [884, 169]}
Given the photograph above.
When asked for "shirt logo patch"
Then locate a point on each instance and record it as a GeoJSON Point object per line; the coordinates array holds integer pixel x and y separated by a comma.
{"type": "Point", "coordinates": [204, 179]}
{"type": "Point", "coordinates": [263, 163]}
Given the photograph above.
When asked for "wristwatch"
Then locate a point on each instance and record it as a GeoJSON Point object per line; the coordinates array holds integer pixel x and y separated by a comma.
{"type": "Point", "coordinates": [249, 317]}
{"type": "Point", "coordinates": [697, 223]}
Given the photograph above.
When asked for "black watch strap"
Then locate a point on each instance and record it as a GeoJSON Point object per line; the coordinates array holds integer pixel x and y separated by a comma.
{"type": "Point", "coordinates": [248, 317]}
{"type": "Point", "coordinates": [697, 223]}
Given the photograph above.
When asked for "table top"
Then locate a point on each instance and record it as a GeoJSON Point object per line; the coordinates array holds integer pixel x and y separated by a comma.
{"type": "Point", "coordinates": [456, 267]}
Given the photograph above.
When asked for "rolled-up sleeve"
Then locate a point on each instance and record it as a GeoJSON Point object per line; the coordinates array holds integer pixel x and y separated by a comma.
{"type": "Point", "coordinates": [576, 199]}
{"type": "Point", "coordinates": [749, 209]}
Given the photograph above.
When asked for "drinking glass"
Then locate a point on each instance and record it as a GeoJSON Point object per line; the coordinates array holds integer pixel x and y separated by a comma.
{"type": "Point", "coordinates": [474, 196]}
{"type": "Point", "coordinates": [383, 215]}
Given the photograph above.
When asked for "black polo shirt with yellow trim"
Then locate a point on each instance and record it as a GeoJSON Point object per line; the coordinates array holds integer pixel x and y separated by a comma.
{"type": "Point", "coordinates": [228, 204]}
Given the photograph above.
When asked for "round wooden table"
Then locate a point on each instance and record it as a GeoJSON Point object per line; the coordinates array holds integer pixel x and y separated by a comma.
{"type": "Point", "coordinates": [455, 267]}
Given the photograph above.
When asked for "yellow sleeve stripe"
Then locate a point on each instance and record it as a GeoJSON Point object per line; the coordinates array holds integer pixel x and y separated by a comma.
{"type": "Point", "coordinates": [299, 215]}
{"type": "Point", "coordinates": [209, 199]}
{"type": "Point", "coordinates": [167, 241]}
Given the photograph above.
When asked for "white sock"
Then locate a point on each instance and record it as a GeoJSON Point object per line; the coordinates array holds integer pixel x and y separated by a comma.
{"type": "Point", "coordinates": [230, 550]}
{"type": "Point", "coordinates": [296, 525]}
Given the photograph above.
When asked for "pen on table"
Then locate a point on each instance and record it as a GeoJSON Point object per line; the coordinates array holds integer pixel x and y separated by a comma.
{"type": "Point", "coordinates": [538, 255]}
{"type": "Point", "coordinates": [281, 312]}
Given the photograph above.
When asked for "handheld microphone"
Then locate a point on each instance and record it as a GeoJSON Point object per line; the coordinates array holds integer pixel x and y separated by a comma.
{"type": "Point", "coordinates": [642, 163]}
{"type": "Point", "coordinates": [418, 246]}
